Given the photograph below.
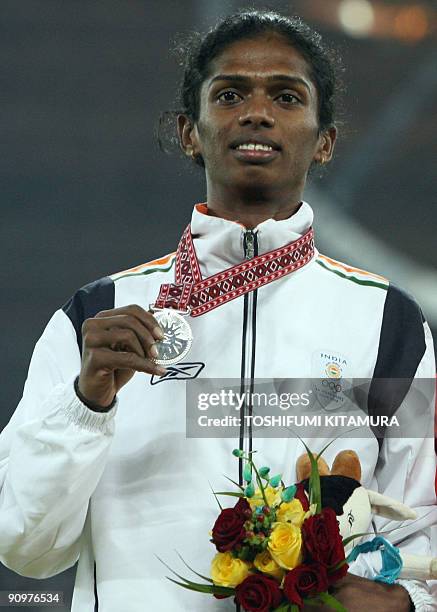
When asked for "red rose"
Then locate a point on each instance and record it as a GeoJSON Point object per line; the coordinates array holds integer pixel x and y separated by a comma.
{"type": "Point", "coordinates": [302, 496]}
{"type": "Point", "coordinates": [305, 581]}
{"type": "Point", "coordinates": [323, 543]}
{"type": "Point", "coordinates": [242, 508]}
{"type": "Point", "coordinates": [228, 530]}
{"type": "Point", "coordinates": [258, 593]}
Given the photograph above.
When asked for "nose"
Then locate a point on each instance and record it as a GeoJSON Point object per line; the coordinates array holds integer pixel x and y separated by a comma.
{"type": "Point", "coordinates": [257, 112]}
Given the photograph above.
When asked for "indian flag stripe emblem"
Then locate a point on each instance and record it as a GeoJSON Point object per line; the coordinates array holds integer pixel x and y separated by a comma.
{"type": "Point", "coordinates": [355, 275]}
{"type": "Point", "coordinates": [163, 264]}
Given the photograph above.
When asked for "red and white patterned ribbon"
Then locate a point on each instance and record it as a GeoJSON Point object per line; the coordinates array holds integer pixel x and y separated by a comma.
{"type": "Point", "coordinates": [191, 292]}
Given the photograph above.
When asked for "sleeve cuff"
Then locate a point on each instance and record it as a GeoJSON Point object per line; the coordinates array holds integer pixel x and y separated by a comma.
{"type": "Point", "coordinates": [91, 405]}
{"type": "Point", "coordinates": [79, 414]}
{"type": "Point", "coordinates": [421, 598]}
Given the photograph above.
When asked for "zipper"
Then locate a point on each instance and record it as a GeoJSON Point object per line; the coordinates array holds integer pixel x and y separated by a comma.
{"type": "Point", "coordinates": [249, 242]}
{"type": "Point", "coordinates": [250, 248]}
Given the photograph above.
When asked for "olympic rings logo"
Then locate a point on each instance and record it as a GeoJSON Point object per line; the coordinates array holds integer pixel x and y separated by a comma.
{"type": "Point", "coordinates": [332, 385]}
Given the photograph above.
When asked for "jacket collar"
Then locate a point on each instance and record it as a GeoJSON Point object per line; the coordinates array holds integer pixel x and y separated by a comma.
{"type": "Point", "coordinates": [219, 242]}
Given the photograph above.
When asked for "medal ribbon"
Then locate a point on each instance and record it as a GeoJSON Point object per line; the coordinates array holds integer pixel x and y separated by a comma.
{"type": "Point", "coordinates": [191, 292]}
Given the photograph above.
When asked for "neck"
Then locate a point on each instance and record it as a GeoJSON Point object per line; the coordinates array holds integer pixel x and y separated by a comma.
{"type": "Point", "coordinates": [253, 210]}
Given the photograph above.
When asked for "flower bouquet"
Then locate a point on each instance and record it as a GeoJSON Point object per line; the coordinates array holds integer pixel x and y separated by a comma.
{"type": "Point", "coordinates": [278, 549]}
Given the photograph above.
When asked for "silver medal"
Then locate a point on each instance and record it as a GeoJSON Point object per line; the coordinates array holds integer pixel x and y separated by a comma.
{"type": "Point", "coordinates": [178, 337]}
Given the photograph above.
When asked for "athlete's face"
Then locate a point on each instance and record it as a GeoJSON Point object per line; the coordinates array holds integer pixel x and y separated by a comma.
{"type": "Point", "coordinates": [258, 91]}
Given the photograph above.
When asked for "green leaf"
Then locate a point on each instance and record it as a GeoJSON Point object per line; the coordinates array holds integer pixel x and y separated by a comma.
{"type": "Point", "coordinates": [260, 484]}
{"type": "Point", "coordinates": [336, 438]}
{"type": "Point", "coordinates": [285, 606]}
{"type": "Point", "coordinates": [216, 498]}
{"type": "Point", "coordinates": [314, 481]}
{"type": "Point", "coordinates": [356, 535]}
{"type": "Point", "coordinates": [231, 494]}
{"type": "Point", "coordinates": [204, 588]}
{"type": "Point", "coordinates": [191, 569]}
{"type": "Point", "coordinates": [247, 553]}
{"type": "Point", "coordinates": [313, 601]}
{"type": "Point", "coordinates": [185, 580]}
{"type": "Point", "coordinates": [234, 482]}
{"type": "Point", "coordinates": [334, 568]}
{"type": "Point", "coordinates": [330, 601]}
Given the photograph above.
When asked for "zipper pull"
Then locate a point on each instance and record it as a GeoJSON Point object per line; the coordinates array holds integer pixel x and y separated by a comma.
{"type": "Point", "coordinates": [249, 244]}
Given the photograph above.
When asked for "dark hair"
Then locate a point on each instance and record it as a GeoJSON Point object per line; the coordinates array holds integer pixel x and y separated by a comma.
{"type": "Point", "coordinates": [196, 52]}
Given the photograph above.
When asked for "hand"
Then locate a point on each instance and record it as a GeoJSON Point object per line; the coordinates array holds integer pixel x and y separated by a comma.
{"type": "Point", "coordinates": [116, 344]}
{"type": "Point", "coordinates": [361, 595]}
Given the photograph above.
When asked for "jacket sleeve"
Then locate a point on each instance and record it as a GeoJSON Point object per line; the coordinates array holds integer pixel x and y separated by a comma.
{"type": "Point", "coordinates": [406, 466]}
{"type": "Point", "coordinates": [52, 455]}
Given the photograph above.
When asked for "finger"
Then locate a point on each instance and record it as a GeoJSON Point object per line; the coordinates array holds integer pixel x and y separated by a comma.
{"type": "Point", "coordinates": [117, 339]}
{"type": "Point", "coordinates": [146, 318]}
{"type": "Point", "coordinates": [104, 358]}
{"type": "Point", "coordinates": [103, 324]}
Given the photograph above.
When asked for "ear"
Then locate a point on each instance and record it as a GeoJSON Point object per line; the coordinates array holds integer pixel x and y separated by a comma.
{"type": "Point", "coordinates": [346, 463]}
{"type": "Point", "coordinates": [303, 467]}
{"type": "Point", "coordinates": [389, 508]}
{"type": "Point", "coordinates": [325, 149]}
{"type": "Point", "coordinates": [187, 136]}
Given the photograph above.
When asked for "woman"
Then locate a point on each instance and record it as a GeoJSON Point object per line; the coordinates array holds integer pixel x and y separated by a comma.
{"type": "Point", "coordinates": [95, 461]}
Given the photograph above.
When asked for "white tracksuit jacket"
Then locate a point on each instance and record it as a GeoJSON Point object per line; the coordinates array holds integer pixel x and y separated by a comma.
{"type": "Point", "coordinates": [114, 490]}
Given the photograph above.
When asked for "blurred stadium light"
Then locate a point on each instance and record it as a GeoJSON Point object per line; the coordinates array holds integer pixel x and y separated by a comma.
{"type": "Point", "coordinates": [356, 16]}
{"type": "Point", "coordinates": [409, 22]}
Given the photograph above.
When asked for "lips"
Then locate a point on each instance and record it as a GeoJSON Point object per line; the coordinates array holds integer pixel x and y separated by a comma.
{"type": "Point", "coordinates": [255, 140]}
{"type": "Point", "coordinates": [251, 154]}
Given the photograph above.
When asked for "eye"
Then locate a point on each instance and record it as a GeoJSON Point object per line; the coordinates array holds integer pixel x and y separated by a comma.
{"type": "Point", "coordinates": [289, 98]}
{"type": "Point", "coordinates": [228, 97]}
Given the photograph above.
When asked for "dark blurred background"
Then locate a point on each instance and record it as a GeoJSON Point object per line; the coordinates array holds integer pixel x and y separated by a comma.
{"type": "Point", "coordinates": [85, 191]}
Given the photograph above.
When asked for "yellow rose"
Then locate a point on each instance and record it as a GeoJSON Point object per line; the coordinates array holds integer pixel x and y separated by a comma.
{"type": "Point", "coordinates": [285, 545]}
{"type": "Point", "coordinates": [228, 571]}
{"type": "Point", "coordinates": [291, 512]}
{"type": "Point", "coordinates": [265, 564]}
{"type": "Point", "coordinates": [273, 497]}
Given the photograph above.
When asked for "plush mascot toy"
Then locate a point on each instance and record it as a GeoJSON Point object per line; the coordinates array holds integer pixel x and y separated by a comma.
{"type": "Point", "coordinates": [354, 505]}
